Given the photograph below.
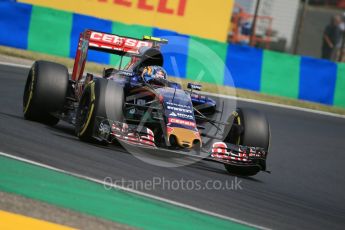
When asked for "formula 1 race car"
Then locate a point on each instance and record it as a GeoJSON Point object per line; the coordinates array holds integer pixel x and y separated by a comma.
{"type": "Point", "coordinates": [138, 107]}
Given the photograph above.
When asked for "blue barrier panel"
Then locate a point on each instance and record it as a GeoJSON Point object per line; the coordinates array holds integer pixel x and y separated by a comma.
{"type": "Point", "coordinates": [80, 23]}
{"type": "Point", "coordinates": [228, 77]}
{"type": "Point", "coordinates": [175, 53]}
{"type": "Point", "coordinates": [14, 24]}
{"type": "Point", "coordinates": [317, 80]}
{"type": "Point", "coordinates": [245, 64]}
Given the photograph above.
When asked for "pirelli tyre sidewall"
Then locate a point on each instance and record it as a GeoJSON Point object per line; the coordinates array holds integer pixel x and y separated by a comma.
{"type": "Point", "coordinates": [101, 98]}
{"type": "Point", "coordinates": [45, 91]}
{"type": "Point", "coordinates": [255, 133]}
{"type": "Point", "coordinates": [256, 128]}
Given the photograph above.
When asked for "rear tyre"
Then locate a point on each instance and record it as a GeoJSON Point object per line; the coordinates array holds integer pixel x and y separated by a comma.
{"type": "Point", "coordinates": [101, 98]}
{"type": "Point", "coordinates": [255, 133]}
{"type": "Point", "coordinates": [45, 92]}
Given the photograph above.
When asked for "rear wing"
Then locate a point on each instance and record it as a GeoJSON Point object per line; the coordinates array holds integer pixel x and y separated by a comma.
{"type": "Point", "coordinates": [109, 43]}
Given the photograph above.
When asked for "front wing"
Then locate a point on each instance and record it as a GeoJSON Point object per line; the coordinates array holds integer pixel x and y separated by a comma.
{"type": "Point", "coordinates": [143, 138]}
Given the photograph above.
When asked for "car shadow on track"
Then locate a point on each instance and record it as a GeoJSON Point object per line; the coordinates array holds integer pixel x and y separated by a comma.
{"type": "Point", "coordinates": [12, 115]}
{"type": "Point", "coordinates": [206, 166]}
{"type": "Point", "coordinates": [212, 167]}
{"type": "Point", "coordinates": [67, 132]}
{"type": "Point", "coordinates": [62, 128]}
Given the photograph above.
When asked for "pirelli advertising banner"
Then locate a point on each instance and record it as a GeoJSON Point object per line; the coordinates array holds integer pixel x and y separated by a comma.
{"type": "Point", "coordinates": [202, 18]}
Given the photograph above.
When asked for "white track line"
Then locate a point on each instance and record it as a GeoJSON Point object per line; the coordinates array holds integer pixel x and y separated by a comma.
{"type": "Point", "coordinates": [234, 98]}
{"type": "Point", "coordinates": [275, 105]}
{"type": "Point", "coordinates": [15, 65]}
{"type": "Point", "coordinates": [132, 191]}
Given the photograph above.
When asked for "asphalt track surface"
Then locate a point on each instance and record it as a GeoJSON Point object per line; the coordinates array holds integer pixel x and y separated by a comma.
{"type": "Point", "coordinates": [307, 157]}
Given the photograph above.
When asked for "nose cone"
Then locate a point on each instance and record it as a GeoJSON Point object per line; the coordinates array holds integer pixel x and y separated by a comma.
{"type": "Point", "coordinates": [183, 138]}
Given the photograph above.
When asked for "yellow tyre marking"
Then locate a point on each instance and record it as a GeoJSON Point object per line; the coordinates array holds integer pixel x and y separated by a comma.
{"type": "Point", "coordinates": [15, 221]}
{"type": "Point", "coordinates": [31, 90]}
{"type": "Point", "coordinates": [92, 102]}
{"type": "Point", "coordinates": [239, 123]}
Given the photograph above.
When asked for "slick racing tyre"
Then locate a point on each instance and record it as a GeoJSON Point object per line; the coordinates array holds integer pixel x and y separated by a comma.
{"type": "Point", "coordinates": [45, 92]}
{"type": "Point", "coordinates": [101, 98]}
{"type": "Point", "coordinates": [255, 133]}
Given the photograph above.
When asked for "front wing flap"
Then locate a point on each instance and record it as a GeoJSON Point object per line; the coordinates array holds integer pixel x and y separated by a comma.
{"type": "Point", "coordinates": [112, 131]}
{"type": "Point", "coordinates": [237, 153]}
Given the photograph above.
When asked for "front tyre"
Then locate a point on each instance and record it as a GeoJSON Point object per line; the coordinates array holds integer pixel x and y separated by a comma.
{"type": "Point", "coordinates": [255, 132]}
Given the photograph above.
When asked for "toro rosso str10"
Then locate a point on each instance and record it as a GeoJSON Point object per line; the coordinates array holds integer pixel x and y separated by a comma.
{"type": "Point", "coordinates": [138, 106]}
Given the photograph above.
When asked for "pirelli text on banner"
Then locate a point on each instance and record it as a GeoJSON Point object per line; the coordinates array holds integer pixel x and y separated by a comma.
{"type": "Point", "coordinates": [206, 19]}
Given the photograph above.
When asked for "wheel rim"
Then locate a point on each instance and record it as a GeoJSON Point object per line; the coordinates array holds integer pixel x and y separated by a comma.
{"type": "Point", "coordinates": [84, 110]}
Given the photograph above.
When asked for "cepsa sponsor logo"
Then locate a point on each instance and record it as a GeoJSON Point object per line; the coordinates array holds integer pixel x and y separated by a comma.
{"type": "Point", "coordinates": [179, 109]}
{"type": "Point", "coordinates": [162, 6]}
{"type": "Point", "coordinates": [182, 122]}
{"type": "Point", "coordinates": [117, 41]}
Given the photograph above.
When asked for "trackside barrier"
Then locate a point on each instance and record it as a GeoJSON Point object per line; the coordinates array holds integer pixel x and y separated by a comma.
{"type": "Point", "coordinates": [56, 32]}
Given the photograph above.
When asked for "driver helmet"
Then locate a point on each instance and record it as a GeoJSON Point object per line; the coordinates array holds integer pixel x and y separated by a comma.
{"type": "Point", "coordinates": [154, 73]}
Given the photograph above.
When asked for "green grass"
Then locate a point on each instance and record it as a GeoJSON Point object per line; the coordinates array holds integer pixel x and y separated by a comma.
{"type": "Point", "coordinates": [207, 87]}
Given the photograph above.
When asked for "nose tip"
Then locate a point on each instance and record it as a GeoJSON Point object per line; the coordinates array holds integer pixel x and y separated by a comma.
{"type": "Point", "coordinates": [186, 145]}
{"type": "Point", "coordinates": [183, 138]}
{"type": "Point", "coordinates": [189, 144]}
